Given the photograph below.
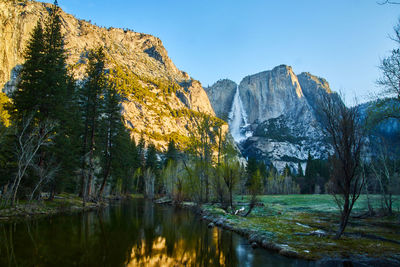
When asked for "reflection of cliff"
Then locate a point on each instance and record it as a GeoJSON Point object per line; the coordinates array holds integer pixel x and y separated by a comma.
{"type": "Point", "coordinates": [159, 256]}
{"type": "Point", "coordinates": [182, 242]}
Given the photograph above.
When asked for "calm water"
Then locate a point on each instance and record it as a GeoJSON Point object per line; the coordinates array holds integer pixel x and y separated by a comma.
{"type": "Point", "coordinates": [133, 233]}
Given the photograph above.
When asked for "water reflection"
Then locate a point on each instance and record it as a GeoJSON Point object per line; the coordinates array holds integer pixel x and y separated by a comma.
{"type": "Point", "coordinates": [135, 233]}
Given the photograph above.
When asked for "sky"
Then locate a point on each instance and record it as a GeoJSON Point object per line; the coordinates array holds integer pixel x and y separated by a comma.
{"type": "Point", "coordinates": [342, 41]}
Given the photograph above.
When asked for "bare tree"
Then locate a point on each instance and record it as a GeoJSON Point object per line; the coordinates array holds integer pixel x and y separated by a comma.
{"type": "Point", "coordinates": [388, 104]}
{"type": "Point", "coordinates": [231, 176]}
{"type": "Point", "coordinates": [385, 173]}
{"type": "Point", "coordinates": [203, 140]}
{"type": "Point", "coordinates": [29, 141]}
{"type": "Point", "coordinates": [45, 173]}
{"type": "Point", "coordinates": [346, 133]}
{"type": "Point", "coordinates": [255, 188]}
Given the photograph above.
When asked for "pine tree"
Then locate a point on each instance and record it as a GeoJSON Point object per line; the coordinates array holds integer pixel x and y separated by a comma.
{"type": "Point", "coordinates": [112, 127]}
{"type": "Point", "coordinates": [299, 170]}
{"type": "Point", "coordinates": [172, 153]}
{"type": "Point", "coordinates": [125, 162]}
{"type": "Point", "coordinates": [310, 176]}
{"type": "Point", "coordinates": [61, 102]}
{"type": "Point", "coordinates": [43, 79]}
{"type": "Point", "coordinates": [251, 169]}
{"type": "Point", "coordinates": [151, 158]}
{"type": "Point", "coordinates": [42, 93]}
{"type": "Point", "coordinates": [286, 171]}
{"type": "Point", "coordinates": [31, 78]}
{"type": "Point", "coordinates": [141, 151]}
{"type": "Point", "coordinates": [91, 104]}
{"type": "Point", "coordinates": [68, 141]}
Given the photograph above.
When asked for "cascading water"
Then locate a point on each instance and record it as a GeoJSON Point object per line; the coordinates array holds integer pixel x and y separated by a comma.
{"type": "Point", "coordinates": [238, 119]}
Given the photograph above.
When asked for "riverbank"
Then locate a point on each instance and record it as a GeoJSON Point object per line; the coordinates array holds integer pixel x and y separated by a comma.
{"type": "Point", "coordinates": [62, 203]}
{"type": "Point", "coordinates": [303, 226]}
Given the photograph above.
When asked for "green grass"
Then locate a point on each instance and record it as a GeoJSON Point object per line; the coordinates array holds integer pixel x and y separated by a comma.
{"type": "Point", "coordinates": [316, 203]}
{"type": "Point", "coordinates": [283, 217]}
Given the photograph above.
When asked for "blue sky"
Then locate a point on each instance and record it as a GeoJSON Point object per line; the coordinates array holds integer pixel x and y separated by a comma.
{"type": "Point", "coordinates": [340, 40]}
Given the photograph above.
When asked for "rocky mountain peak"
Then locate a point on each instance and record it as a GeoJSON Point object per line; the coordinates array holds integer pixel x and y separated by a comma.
{"type": "Point", "coordinates": [281, 110]}
{"type": "Point", "coordinates": [318, 81]}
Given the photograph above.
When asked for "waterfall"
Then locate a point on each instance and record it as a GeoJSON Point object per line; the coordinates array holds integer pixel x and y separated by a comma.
{"type": "Point", "coordinates": [238, 119]}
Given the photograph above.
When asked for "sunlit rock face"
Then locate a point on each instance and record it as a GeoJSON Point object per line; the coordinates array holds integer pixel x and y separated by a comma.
{"type": "Point", "coordinates": [269, 94]}
{"type": "Point", "coordinates": [221, 95]}
{"type": "Point", "coordinates": [281, 110]}
{"type": "Point", "coordinates": [159, 116]}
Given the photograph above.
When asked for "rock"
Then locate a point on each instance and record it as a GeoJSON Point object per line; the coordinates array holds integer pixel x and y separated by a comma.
{"type": "Point", "coordinates": [219, 222]}
{"type": "Point", "coordinates": [221, 96]}
{"type": "Point", "coordinates": [142, 58]}
{"type": "Point", "coordinates": [303, 225]}
{"type": "Point", "coordinates": [288, 253]}
{"type": "Point", "coordinates": [282, 112]}
{"type": "Point", "coordinates": [163, 200]}
{"type": "Point", "coordinates": [319, 233]}
{"type": "Point", "coordinates": [271, 246]}
{"type": "Point", "coordinates": [239, 210]}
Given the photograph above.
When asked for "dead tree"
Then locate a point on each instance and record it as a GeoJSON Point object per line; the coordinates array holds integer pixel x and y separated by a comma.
{"type": "Point", "coordinates": [45, 174]}
{"type": "Point", "coordinates": [30, 139]}
{"type": "Point", "coordinates": [384, 170]}
{"type": "Point", "coordinates": [345, 131]}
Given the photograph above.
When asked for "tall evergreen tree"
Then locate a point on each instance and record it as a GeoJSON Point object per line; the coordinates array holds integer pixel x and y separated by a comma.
{"type": "Point", "coordinates": [125, 162]}
{"type": "Point", "coordinates": [310, 176]}
{"type": "Point", "coordinates": [287, 171]}
{"type": "Point", "coordinates": [151, 158]}
{"type": "Point", "coordinates": [112, 127]}
{"type": "Point", "coordinates": [299, 170]}
{"type": "Point", "coordinates": [42, 92]}
{"type": "Point", "coordinates": [91, 104]}
{"type": "Point", "coordinates": [31, 78]}
{"type": "Point", "coordinates": [172, 152]}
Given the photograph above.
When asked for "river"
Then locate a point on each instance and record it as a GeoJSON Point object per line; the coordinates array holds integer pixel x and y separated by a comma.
{"type": "Point", "coordinates": [130, 233]}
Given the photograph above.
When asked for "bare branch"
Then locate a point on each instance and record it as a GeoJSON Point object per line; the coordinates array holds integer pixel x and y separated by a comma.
{"type": "Point", "coordinates": [388, 2]}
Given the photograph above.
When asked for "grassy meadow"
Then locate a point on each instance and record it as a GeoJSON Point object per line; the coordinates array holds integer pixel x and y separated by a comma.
{"type": "Point", "coordinates": [306, 224]}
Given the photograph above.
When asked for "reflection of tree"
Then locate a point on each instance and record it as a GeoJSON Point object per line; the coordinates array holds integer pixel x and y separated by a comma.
{"type": "Point", "coordinates": [6, 235]}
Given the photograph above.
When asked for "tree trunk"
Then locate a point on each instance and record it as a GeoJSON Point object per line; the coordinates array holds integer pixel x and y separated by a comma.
{"type": "Point", "coordinates": [344, 218]}
{"type": "Point", "coordinates": [108, 157]}
{"type": "Point", "coordinates": [106, 174]}
{"type": "Point", "coordinates": [207, 189]}
{"type": "Point", "coordinates": [230, 197]}
{"type": "Point", "coordinates": [52, 192]}
{"type": "Point", "coordinates": [91, 156]}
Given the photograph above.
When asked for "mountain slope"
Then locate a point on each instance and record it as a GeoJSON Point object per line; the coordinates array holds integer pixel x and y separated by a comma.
{"type": "Point", "coordinates": [161, 101]}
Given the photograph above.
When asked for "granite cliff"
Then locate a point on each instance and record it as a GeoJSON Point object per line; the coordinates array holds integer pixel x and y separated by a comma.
{"type": "Point", "coordinates": [162, 100]}
{"type": "Point", "coordinates": [221, 95]}
{"type": "Point", "coordinates": [280, 122]}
